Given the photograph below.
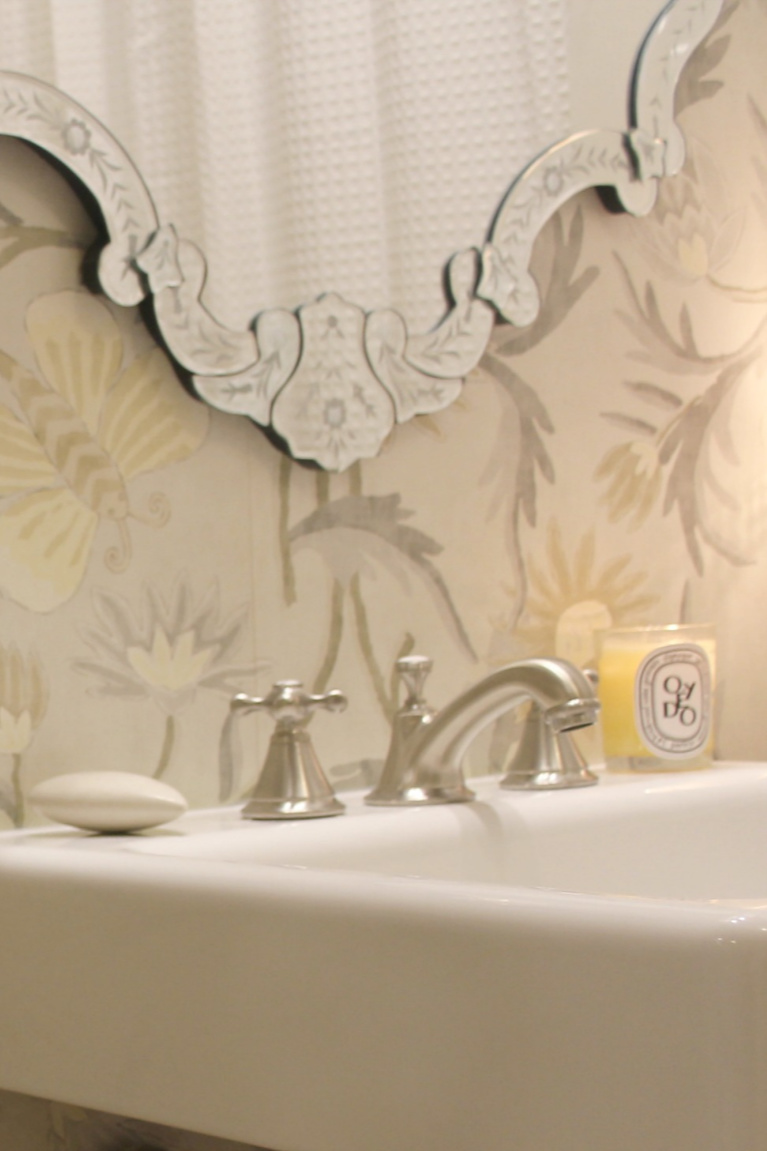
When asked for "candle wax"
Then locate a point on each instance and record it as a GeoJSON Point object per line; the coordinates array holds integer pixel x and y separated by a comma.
{"type": "Point", "coordinates": [617, 671]}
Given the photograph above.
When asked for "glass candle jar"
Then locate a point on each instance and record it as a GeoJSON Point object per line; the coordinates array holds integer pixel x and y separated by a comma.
{"type": "Point", "coordinates": [656, 687]}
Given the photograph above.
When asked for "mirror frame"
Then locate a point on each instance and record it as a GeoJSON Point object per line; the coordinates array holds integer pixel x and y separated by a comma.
{"type": "Point", "coordinates": [331, 408]}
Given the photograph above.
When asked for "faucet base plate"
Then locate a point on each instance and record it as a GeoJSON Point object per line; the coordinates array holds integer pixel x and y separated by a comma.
{"type": "Point", "coordinates": [549, 781]}
{"type": "Point", "coordinates": [300, 808]}
{"type": "Point", "coordinates": [414, 796]}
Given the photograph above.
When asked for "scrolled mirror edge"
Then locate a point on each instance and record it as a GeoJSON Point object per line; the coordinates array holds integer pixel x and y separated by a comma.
{"type": "Point", "coordinates": [330, 409]}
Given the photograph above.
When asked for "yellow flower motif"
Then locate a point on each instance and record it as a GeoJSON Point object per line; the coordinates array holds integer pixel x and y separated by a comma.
{"type": "Point", "coordinates": [171, 666]}
{"type": "Point", "coordinates": [635, 479]}
{"type": "Point", "coordinates": [695, 227]}
{"type": "Point", "coordinates": [571, 599]}
{"type": "Point", "coordinates": [693, 255]}
{"type": "Point", "coordinates": [165, 650]}
{"type": "Point", "coordinates": [23, 699]}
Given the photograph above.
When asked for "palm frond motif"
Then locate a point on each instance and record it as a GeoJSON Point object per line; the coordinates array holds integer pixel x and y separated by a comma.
{"type": "Point", "coordinates": [562, 245]}
{"type": "Point", "coordinates": [666, 463]}
{"type": "Point", "coordinates": [683, 452]}
{"type": "Point", "coordinates": [520, 456]}
{"type": "Point", "coordinates": [695, 83]}
{"type": "Point", "coordinates": [18, 238]}
{"type": "Point", "coordinates": [523, 424]}
{"type": "Point", "coordinates": [355, 532]}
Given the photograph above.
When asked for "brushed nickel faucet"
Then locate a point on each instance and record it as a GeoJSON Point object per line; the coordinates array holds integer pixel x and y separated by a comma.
{"type": "Point", "coordinates": [292, 784]}
{"type": "Point", "coordinates": [427, 747]}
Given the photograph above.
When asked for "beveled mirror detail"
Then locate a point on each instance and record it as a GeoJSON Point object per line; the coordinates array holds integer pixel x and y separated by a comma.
{"type": "Point", "coordinates": [632, 162]}
{"type": "Point", "coordinates": [41, 114]}
{"type": "Point", "coordinates": [329, 377]}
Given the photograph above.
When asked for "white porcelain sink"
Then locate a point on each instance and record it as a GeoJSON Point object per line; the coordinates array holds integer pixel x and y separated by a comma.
{"type": "Point", "coordinates": [572, 971]}
{"type": "Point", "coordinates": [675, 837]}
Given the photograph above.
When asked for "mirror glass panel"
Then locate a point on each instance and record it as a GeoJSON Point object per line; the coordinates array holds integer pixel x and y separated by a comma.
{"type": "Point", "coordinates": [331, 204]}
{"type": "Point", "coordinates": [352, 147]}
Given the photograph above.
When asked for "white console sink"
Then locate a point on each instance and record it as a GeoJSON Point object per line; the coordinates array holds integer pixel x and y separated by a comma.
{"type": "Point", "coordinates": [699, 836]}
{"type": "Point", "coordinates": [572, 971]}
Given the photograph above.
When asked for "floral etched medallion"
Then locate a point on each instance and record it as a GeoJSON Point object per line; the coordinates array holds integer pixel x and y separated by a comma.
{"type": "Point", "coordinates": [334, 409]}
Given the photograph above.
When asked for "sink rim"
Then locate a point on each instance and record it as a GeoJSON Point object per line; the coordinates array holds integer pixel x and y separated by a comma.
{"type": "Point", "coordinates": [620, 797]}
{"type": "Point", "coordinates": [176, 848]}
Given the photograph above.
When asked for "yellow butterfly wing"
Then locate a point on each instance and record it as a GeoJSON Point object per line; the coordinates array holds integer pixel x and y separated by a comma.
{"type": "Point", "coordinates": [24, 466]}
{"type": "Point", "coordinates": [78, 348]}
{"type": "Point", "coordinates": [45, 542]}
{"type": "Point", "coordinates": [45, 534]}
{"type": "Point", "coordinates": [148, 420]}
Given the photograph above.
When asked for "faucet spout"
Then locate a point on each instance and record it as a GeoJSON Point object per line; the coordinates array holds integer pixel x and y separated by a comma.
{"type": "Point", "coordinates": [427, 748]}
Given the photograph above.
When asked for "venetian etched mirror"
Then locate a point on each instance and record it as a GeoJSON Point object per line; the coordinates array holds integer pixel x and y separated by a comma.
{"type": "Point", "coordinates": [329, 376]}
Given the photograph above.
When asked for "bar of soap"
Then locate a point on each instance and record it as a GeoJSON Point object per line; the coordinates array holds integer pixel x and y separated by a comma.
{"type": "Point", "coordinates": [108, 801]}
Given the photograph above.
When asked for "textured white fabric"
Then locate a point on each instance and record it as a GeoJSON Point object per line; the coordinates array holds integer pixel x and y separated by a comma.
{"type": "Point", "coordinates": [313, 145]}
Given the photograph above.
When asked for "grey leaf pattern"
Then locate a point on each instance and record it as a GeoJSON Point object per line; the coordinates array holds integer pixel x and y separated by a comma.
{"type": "Point", "coordinates": [379, 532]}
{"type": "Point", "coordinates": [654, 394]}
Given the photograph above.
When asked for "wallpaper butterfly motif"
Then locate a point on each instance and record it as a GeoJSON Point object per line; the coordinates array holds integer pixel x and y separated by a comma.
{"type": "Point", "coordinates": [84, 426]}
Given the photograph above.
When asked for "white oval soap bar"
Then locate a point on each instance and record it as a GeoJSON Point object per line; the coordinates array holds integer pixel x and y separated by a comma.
{"type": "Point", "coordinates": [107, 800]}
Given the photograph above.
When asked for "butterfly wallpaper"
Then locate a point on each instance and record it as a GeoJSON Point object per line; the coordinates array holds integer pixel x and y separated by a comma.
{"type": "Point", "coordinates": [87, 425]}
{"type": "Point", "coordinates": [604, 466]}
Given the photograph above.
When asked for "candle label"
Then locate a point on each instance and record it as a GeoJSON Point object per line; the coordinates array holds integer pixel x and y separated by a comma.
{"type": "Point", "coordinates": [672, 700]}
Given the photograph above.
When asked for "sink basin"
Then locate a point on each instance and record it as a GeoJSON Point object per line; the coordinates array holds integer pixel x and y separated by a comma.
{"type": "Point", "coordinates": [679, 837]}
{"type": "Point", "coordinates": [571, 971]}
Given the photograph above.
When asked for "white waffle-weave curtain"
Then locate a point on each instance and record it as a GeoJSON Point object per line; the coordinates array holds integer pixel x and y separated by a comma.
{"type": "Point", "coordinates": [312, 145]}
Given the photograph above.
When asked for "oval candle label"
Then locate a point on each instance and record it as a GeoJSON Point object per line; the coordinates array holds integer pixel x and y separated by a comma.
{"type": "Point", "coordinates": [672, 700]}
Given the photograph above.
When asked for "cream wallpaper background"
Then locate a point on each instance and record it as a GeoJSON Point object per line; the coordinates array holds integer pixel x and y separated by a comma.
{"type": "Point", "coordinates": [606, 465]}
